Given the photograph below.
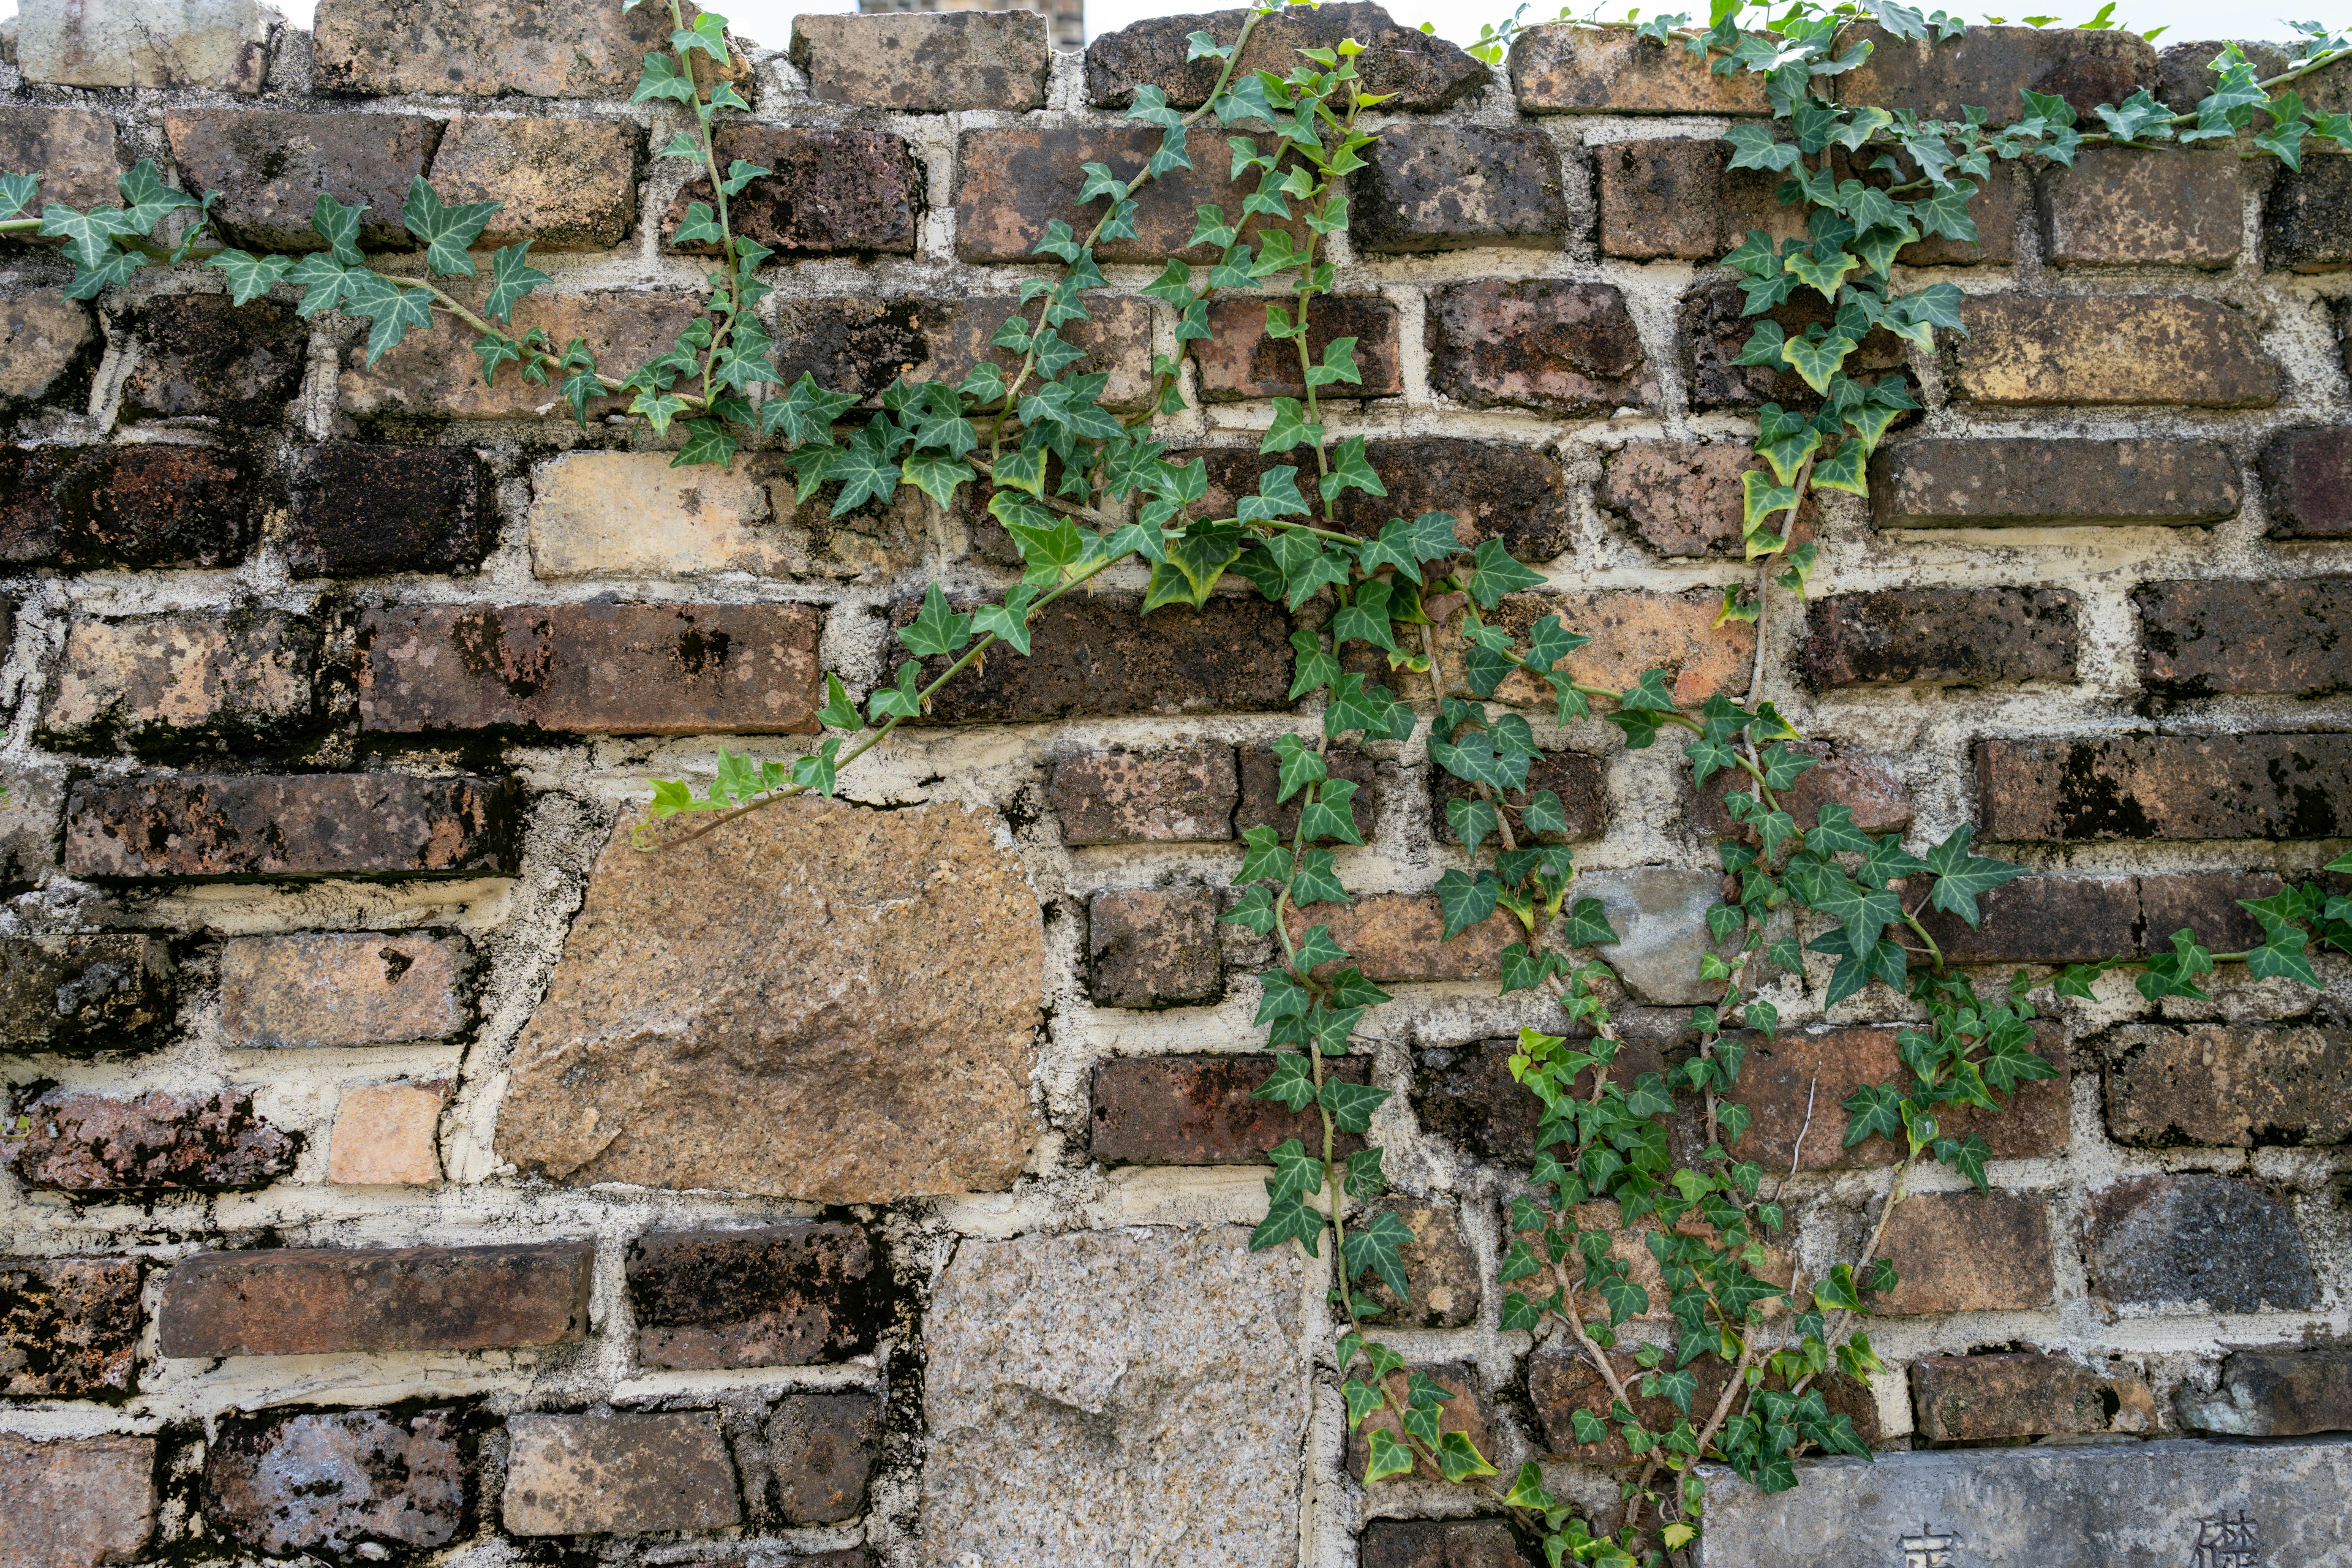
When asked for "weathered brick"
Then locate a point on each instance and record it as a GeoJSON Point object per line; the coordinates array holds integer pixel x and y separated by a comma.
{"type": "Point", "coordinates": [2275, 1393]}
{"type": "Point", "coordinates": [1400, 937]}
{"type": "Point", "coordinates": [617, 1475]}
{"type": "Point", "coordinates": [1811, 1074]}
{"type": "Point", "coordinates": [1439, 1266]}
{"type": "Point", "coordinates": [925, 64]}
{"type": "Point", "coordinates": [76, 1504]}
{"type": "Point", "coordinates": [2232, 1246]}
{"type": "Point", "coordinates": [2114, 351]}
{"type": "Point", "coordinates": [1261, 781]}
{"type": "Point", "coordinates": [310, 825]}
{"type": "Point", "coordinates": [1197, 1110]}
{"type": "Point", "coordinates": [779, 1295]}
{"type": "Point", "coordinates": [2121, 206]}
{"type": "Point", "coordinates": [1464, 1412]}
{"type": "Point", "coordinates": [2207, 902]}
{"type": "Point", "coordinates": [564, 184]}
{"type": "Point", "coordinates": [386, 1135]}
{"type": "Point", "coordinates": [2185, 72]}
{"type": "Point", "coordinates": [2200, 638]}
{"type": "Point", "coordinates": [823, 1449]}
{"type": "Point", "coordinates": [161, 682]}
{"type": "Point", "coordinates": [338, 1482]}
{"type": "Point", "coordinates": [2303, 226]}
{"type": "Point", "coordinates": [223, 45]}
{"type": "Point", "coordinates": [44, 337]}
{"type": "Point", "coordinates": [1678, 197]}
{"type": "Point", "coordinates": [1442, 1543]}
{"type": "Point", "coordinates": [1969, 1252]}
{"type": "Point", "coordinates": [2307, 482]}
{"type": "Point", "coordinates": [597, 668]}
{"type": "Point", "coordinates": [2009, 482]}
{"type": "Point", "coordinates": [1091, 657]}
{"type": "Point", "coordinates": [1630, 631]}
{"type": "Point", "coordinates": [1419, 73]}
{"type": "Point", "coordinates": [1865, 785]}
{"type": "Point", "coordinates": [1241, 360]}
{"type": "Point", "coordinates": [1154, 947]}
{"type": "Point", "coordinates": [2166, 786]}
{"type": "Point", "coordinates": [84, 992]}
{"type": "Point", "coordinates": [1128, 798]}
{"type": "Point", "coordinates": [861, 343]}
{"type": "Point", "coordinates": [630, 514]}
{"type": "Point", "coordinates": [1563, 1381]}
{"type": "Point", "coordinates": [319, 1300]}
{"type": "Point", "coordinates": [1012, 182]}
{"type": "Point", "coordinates": [358, 510]}
{"type": "Point", "coordinates": [831, 190]}
{"type": "Point", "coordinates": [1940, 636]}
{"type": "Point", "coordinates": [447, 47]}
{"type": "Point", "coordinates": [272, 166]}
{"type": "Point", "coordinates": [198, 354]}
{"type": "Point", "coordinates": [1581, 70]}
{"type": "Point", "coordinates": [69, 1327]}
{"type": "Point", "coordinates": [1467, 1095]}
{"type": "Point", "coordinates": [2026, 1393]}
{"type": "Point", "coordinates": [1987, 67]}
{"type": "Point", "coordinates": [2229, 1085]}
{"type": "Point", "coordinates": [1712, 332]}
{"type": "Point", "coordinates": [2043, 920]}
{"type": "Point", "coordinates": [2001, 198]}
{"type": "Point", "coordinates": [355, 988]}
{"type": "Point", "coordinates": [1556, 347]}
{"type": "Point", "coordinates": [152, 505]}
{"type": "Point", "coordinates": [1581, 781]}
{"type": "Point", "coordinates": [75, 148]}
{"type": "Point", "coordinates": [1684, 498]}
{"type": "Point", "coordinates": [1451, 187]}
{"type": "Point", "coordinates": [162, 1140]}
{"type": "Point", "coordinates": [1493, 490]}
{"type": "Point", "coordinates": [435, 376]}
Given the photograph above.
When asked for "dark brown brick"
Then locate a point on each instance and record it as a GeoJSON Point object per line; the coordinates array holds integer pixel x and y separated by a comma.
{"type": "Point", "coordinates": [1154, 947]}
{"type": "Point", "coordinates": [2186, 1240]}
{"type": "Point", "coordinates": [1712, 332]}
{"type": "Point", "coordinates": [2043, 920]}
{"type": "Point", "coordinates": [1563, 1381]}
{"type": "Point", "coordinates": [2122, 207]}
{"type": "Point", "coordinates": [2229, 1085]}
{"type": "Point", "coordinates": [1096, 655]}
{"type": "Point", "coordinates": [2008, 482]}
{"type": "Point", "coordinates": [1684, 498]}
{"type": "Point", "coordinates": [861, 342]}
{"type": "Point", "coordinates": [2303, 225]}
{"type": "Point", "coordinates": [1261, 781]}
{"type": "Point", "coordinates": [1442, 1543]}
{"type": "Point", "coordinates": [363, 510]}
{"type": "Point", "coordinates": [1419, 72]}
{"type": "Point", "coordinates": [75, 148]}
{"type": "Point", "coordinates": [1493, 490]}
{"type": "Point", "coordinates": [83, 507]}
{"type": "Point", "coordinates": [1865, 785]}
{"type": "Point", "coordinates": [2276, 1393]}
{"type": "Point", "coordinates": [617, 1475]}
{"type": "Point", "coordinates": [563, 183]}
{"type": "Point", "coordinates": [1969, 1252]}
{"type": "Point", "coordinates": [2307, 482]}
{"type": "Point", "coordinates": [69, 1327]}
{"type": "Point", "coordinates": [76, 1504]}
{"type": "Point", "coordinates": [1464, 1412]}
{"type": "Point", "coordinates": [336, 1482]}
{"type": "Point", "coordinates": [1987, 67]}
{"type": "Point", "coordinates": [823, 1449]}
{"type": "Point", "coordinates": [1631, 631]}
{"type": "Point", "coordinates": [1128, 798]}
{"type": "Point", "coordinates": [1452, 187]}
{"type": "Point", "coordinates": [925, 64]}
{"type": "Point", "coordinates": [1197, 1110]}
{"type": "Point", "coordinates": [162, 1140]}
{"type": "Point", "coordinates": [1811, 1074]}
{"type": "Point", "coordinates": [2186, 71]}
{"type": "Point", "coordinates": [2027, 1393]}
{"type": "Point", "coordinates": [2166, 786]}
{"type": "Point", "coordinates": [271, 167]}
{"type": "Point", "coordinates": [1012, 182]}
{"type": "Point", "coordinates": [318, 1301]}
{"type": "Point", "coordinates": [2118, 350]}
{"type": "Point", "coordinates": [73, 993]}
{"type": "Point", "coordinates": [1940, 636]}
{"type": "Point", "coordinates": [834, 191]}
{"type": "Point", "coordinates": [199, 354]}
{"type": "Point", "coordinates": [1467, 1095]}
{"type": "Point", "coordinates": [1581, 781]}
{"type": "Point", "coordinates": [1241, 360]}
{"type": "Point", "coordinates": [309, 825]}
{"type": "Point", "coordinates": [1584, 70]}
{"type": "Point", "coordinates": [2205, 902]}
{"type": "Point", "coordinates": [2200, 638]}
{"type": "Point", "coordinates": [1678, 197]}
{"type": "Point", "coordinates": [1556, 347]}
{"type": "Point", "coordinates": [1441, 1270]}
{"type": "Point", "coordinates": [159, 684]}
{"type": "Point", "coordinates": [791, 1294]}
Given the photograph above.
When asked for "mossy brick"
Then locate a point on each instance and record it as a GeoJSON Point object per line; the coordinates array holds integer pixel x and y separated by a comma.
{"type": "Point", "coordinates": [92, 992]}
{"type": "Point", "coordinates": [1417, 72]}
{"type": "Point", "coordinates": [79, 507]}
{"type": "Point", "coordinates": [1011, 183]}
{"type": "Point", "coordinates": [925, 64]}
{"type": "Point", "coordinates": [2307, 217]}
{"type": "Point", "coordinates": [201, 355]}
{"type": "Point", "coordinates": [2258, 786]}
{"type": "Point", "coordinates": [1154, 947]}
{"type": "Point", "coordinates": [164, 683]}
{"type": "Point", "coordinates": [163, 1140]}
{"type": "Point", "coordinates": [2221, 1085]}
{"type": "Point", "coordinates": [2307, 476]}
{"type": "Point", "coordinates": [563, 184]}
{"type": "Point", "coordinates": [1678, 198]}
{"type": "Point", "coordinates": [1095, 656]}
{"type": "Point", "coordinates": [1200, 1109]}
{"type": "Point", "coordinates": [70, 1327]}
{"type": "Point", "coordinates": [2109, 351]}
{"type": "Point", "coordinates": [1548, 345]}
{"type": "Point", "coordinates": [357, 509]}
{"type": "Point", "coordinates": [1455, 187]}
{"type": "Point", "coordinates": [2200, 638]}
{"type": "Point", "coordinates": [1988, 67]}
{"type": "Point", "coordinates": [1940, 636]}
{"type": "Point", "coordinates": [1185, 795]}
{"type": "Point", "coordinates": [272, 165]}
{"type": "Point", "coordinates": [2126, 207]}
{"type": "Point", "coordinates": [308, 990]}
{"type": "Point", "coordinates": [1969, 1252]}
{"type": "Point", "coordinates": [362, 1482]}
{"type": "Point", "coordinates": [1241, 359]}
{"type": "Point", "coordinates": [2192, 1240]}
{"type": "Point", "coordinates": [617, 1475]}
{"type": "Point", "coordinates": [328, 1300]}
{"type": "Point", "coordinates": [2037, 482]}
{"type": "Point", "coordinates": [1583, 71]}
{"type": "Point", "coordinates": [830, 191]}
{"type": "Point", "coordinates": [191, 826]}
{"type": "Point", "coordinates": [790, 1294]}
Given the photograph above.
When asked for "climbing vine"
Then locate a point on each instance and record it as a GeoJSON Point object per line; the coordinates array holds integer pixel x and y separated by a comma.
{"type": "Point", "coordinates": [1650, 1160]}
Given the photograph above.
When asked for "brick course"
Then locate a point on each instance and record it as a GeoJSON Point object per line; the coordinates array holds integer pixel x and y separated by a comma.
{"type": "Point", "coordinates": [2166, 786]}
{"type": "Point", "coordinates": [313, 1300]}
{"type": "Point", "coordinates": [312, 825]}
{"type": "Point", "coordinates": [2007, 483]}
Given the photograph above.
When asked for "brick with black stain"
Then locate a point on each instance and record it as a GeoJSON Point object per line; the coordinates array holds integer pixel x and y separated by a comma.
{"type": "Point", "coordinates": [1450, 187]}
{"type": "Point", "coordinates": [1492, 489]}
{"type": "Point", "coordinates": [2202, 638]}
{"type": "Point", "coordinates": [162, 1140]}
{"type": "Point", "coordinates": [1154, 947]}
{"type": "Point", "coordinates": [1242, 360]}
{"type": "Point", "coordinates": [200, 354]}
{"type": "Point", "coordinates": [360, 510]}
{"type": "Point", "coordinates": [1417, 73]}
{"type": "Point", "coordinates": [2181, 1240]}
{"type": "Point", "coordinates": [830, 191]}
{"type": "Point", "coordinates": [1198, 1110]}
{"type": "Point", "coordinates": [2304, 230]}
{"type": "Point", "coordinates": [2166, 786]}
{"type": "Point", "coordinates": [1095, 656]}
{"type": "Point", "coordinates": [1941, 637]}
{"type": "Point", "coordinates": [304, 824]}
{"type": "Point", "coordinates": [823, 1449]}
{"type": "Point", "coordinates": [338, 1482]}
{"type": "Point", "coordinates": [1545, 345]}
{"type": "Point", "coordinates": [1712, 332]}
{"type": "Point", "coordinates": [1261, 786]}
{"type": "Point", "coordinates": [791, 1294]}
{"type": "Point", "coordinates": [141, 506]}
{"type": "Point", "coordinates": [69, 1327]}
{"type": "Point", "coordinates": [94, 993]}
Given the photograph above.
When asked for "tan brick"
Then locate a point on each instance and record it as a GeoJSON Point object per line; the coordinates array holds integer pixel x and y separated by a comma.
{"type": "Point", "coordinates": [74, 148]}
{"type": "Point", "coordinates": [388, 47]}
{"type": "Point", "coordinates": [565, 184]}
{"type": "Point", "coordinates": [1969, 1252]}
{"type": "Point", "coordinates": [1128, 798]}
{"type": "Point", "coordinates": [1580, 71]}
{"type": "Point", "coordinates": [386, 1135]}
{"type": "Point", "coordinates": [76, 1504]}
{"type": "Point", "coordinates": [925, 64]}
{"type": "Point", "coordinates": [630, 514]}
{"type": "Point", "coordinates": [1402, 937]}
{"type": "Point", "coordinates": [2119, 207]}
{"type": "Point", "coordinates": [177, 678]}
{"type": "Point", "coordinates": [435, 374]}
{"type": "Point", "coordinates": [319, 1300]}
{"type": "Point", "coordinates": [357, 988]}
{"type": "Point", "coordinates": [2121, 350]}
{"type": "Point", "coordinates": [272, 166]}
{"type": "Point", "coordinates": [617, 1475]}
{"type": "Point", "coordinates": [1631, 632]}
{"type": "Point", "coordinates": [42, 334]}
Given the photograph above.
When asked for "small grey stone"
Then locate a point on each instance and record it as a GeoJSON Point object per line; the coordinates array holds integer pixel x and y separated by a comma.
{"type": "Point", "coordinates": [1660, 911]}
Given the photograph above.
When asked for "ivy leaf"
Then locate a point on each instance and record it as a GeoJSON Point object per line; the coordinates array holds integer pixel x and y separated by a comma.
{"type": "Point", "coordinates": [662, 79]}
{"type": "Point", "coordinates": [89, 282]}
{"type": "Point", "coordinates": [1291, 427]}
{"type": "Point", "coordinates": [1292, 1082]}
{"type": "Point", "coordinates": [146, 198]}
{"type": "Point", "coordinates": [1459, 1458]}
{"type": "Point", "coordinates": [1296, 1172]}
{"type": "Point", "coordinates": [511, 277]}
{"type": "Point", "coordinates": [88, 237]}
{"type": "Point", "coordinates": [1329, 816]}
{"type": "Point", "coordinates": [1316, 669]}
{"type": "Point", "coordinates": [447, 231]}
{"type": "Point", "coordinates": [1493, 573]}
{"type": "Point", "coordinates": [1817, 361]}
{"type": "Point", "coordinates": [1967, 1156]}
{"type": "Point", "coordinates": [936, 628]}
{"type": "Point", "coordinates": [1289, 1220]}
{"type": "Point", "coordinates": [1351, 1106]}
{"type": "Point", "coordinates": [1389, 1455]}
{"type": "Point", "coordinates": [1465, 899]}
{"type": "Point", "coordinates": [1375, 1245]}
{"type": "Point", "coordinates": [1874, 1110]}
{"type": "Point", "coordinates": [1008, 621]}
{"type": "Point", "coordinates": [1588, 925]}
{"type": "Point", "coordinates": [250, 276]}
{"type": "Point", "coordinates": [1961, 876]}
{"type": "Point", "coordinates": [392, 308]}
{"type": "Point", "coordinates": [1314, 882]}
{"type": "Point", "coordinates": [708, 442]}
{"type": "Point", "coordinates": [2283, 957]}
{"type": "Point", "coordinates": [937, 475]}
{"type": "Point", "coordinates": [1351, 471]}
{"type": "Point", "coordinates": [864, 474]}
{"type": "Point", "coordinates": [1625, 1298]}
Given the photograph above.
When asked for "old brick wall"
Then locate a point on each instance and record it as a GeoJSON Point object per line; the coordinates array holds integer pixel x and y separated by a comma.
{"type": "Point", "coordinates": [404, 1165]}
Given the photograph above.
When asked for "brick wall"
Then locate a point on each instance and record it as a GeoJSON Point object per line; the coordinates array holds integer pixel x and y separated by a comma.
{"type": "Point", "coordinates": [385, 1117]}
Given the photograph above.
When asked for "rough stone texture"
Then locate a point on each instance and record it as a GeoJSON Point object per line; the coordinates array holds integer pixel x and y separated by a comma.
{"type": "Point", "coordinates": [781, 1295]}
{"type": "Point", "coordinates": [566, 185]}
{"type": "Point", "coordinates": [436, 376]}
{"type": "Point", "coordinates": [1712, 332]}
{"type": "Point", "coordinates": [1864, 785]}
{"type": "Point", "coordinates": [338, 1482]}
{"type": "Point", "coordinates": [1986, 67]}
{"type": "Point", "coordinates": [1401, 936]}
{"type": "Point", "coordinates": [1940, 636]}
{"type": "Point", "coordinates": [76, 1504]}
{"type": "Point", "coordinates": [1684, 497]}
{"type": "Point", "coordinates": [1465, 1412]}
{"type": "Point", "coordinates": [2200, 638]}
{"type": "Point", "coordinates": [824, 1448]}
{"type": "Point", "coordinates": [199, 354]}
{"type": "Point", "coordinates": [1422, 73]}
{"type": "Point", "coordinates": [84, 507]}
{"type": "Point", "coordinates": [360, 988]}
{"type": "Point", "coordinates": [1581, 781]}
{"type": "Point", "coordinates": [1440, 1543]}
{"type": "Point", "coordinates": [617, 1475]}
{"type": "Point", "coordinates": [218, 44]}
{"type": "Point", "coordinates": [2043, 920]}
{"type": "Point", "coordinates": [1577, 70]}
{"type": "Point", "coordinates": [1198, 1110]}
{"type": "Point", "coordinates": [1813, 1073]}
{"type": "Point", "coordinates": [2109, 351]}
{"type": "Point", "coordinates": [1241, 360]}
{"type": "Point", "coordinates": [630, 514]}
{"type": "Point", "coordinates": [1969, 1252]}
{"type": "Point", "coordinates": [310, 825]}
{"type": "Point", "coordinates": [1012, 182]}
{"type": "Point", "coordinates": [2187, 71]}
{"type": "Point", "coordinates": [875, 1058]}
{"type": "Point", "coordinates": [2307, 482]}
{"type": "Point", "coordinates": [69, 1327]}
{"type": "Point", "coordinates": [2124, 206]}
{"type": "Point", "coordinates": [1561, 1381]}
{"type": "Point", "coordinates": [1439, 1266]}
{"type": "Point", "coordinates": [162, 1140]}
{"type": "Point", "coordinates": [1128, 798]}
{"type": "Point", "coordinates": [862, 342]}
{"type": "Point", "coordinates": [76, 147]}
{"type": "Point", "coordinates": [1154, 947]}
{"type": "Point", "coordinates": [832, 190]}
{"type": "Point", "coordinates": [160, 682]}
{"type": "Point", "coordinates": [2302, 217]}
{"type": "Point", "coordinates": [386, 1135]}
{"type": "Point", "coordinates": [84, 992]}
{"type": "Point", "coordinates": [2189, 1239]}
{"type": "Point", "coordinates": [1556, 347]}
{"type": "Point", "coordinates": [359, 511]}
{"type": "Point", "coordinates": [1631, 631]}
{"type": "Point", "coordinates": [1660, 912]}
{"type": "Point", "coordinates": [2009, 482]}
{"type": "Point", "coordinates": [388, 47]}
{"type": "Point", "coordinates": [1261, 781]}
{"type": "Point", "coordinates": [1981, 1398]}
{"type": "Point", "coordinates": [272, 166]}
{"type": "Point", "coordinates": [1450, 187]}
{"type": "Point", "coordinates": [42, 336]}
{"type": "Point", "coordinates": [1679, 199]}
{"type": "Point", "coordinates": [925, 64]}
{"type": "Point", "coordinates": [2274, 1393]}
{"type": "Point", "coordinates": [2229, 1085]}
{"type": "Point", "coordinates": [2166, 786]}
{"type": "Point", "coordinates": [316, 1300]}
{"type": "Point", "coordinates": [1068, 1376]}
{"type": "Point", "coordinates": [1090, 656]}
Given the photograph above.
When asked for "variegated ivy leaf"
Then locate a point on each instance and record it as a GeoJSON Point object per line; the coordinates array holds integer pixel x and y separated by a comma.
{"type": "Point", "coordinates": [511, 277]}
{"type": "Point", "coordinates": [146, 198]}
{"type": "Point", "coordinates": [447, 231]}
{"type": "Point", "coordinates": [250, 276]}
{"type": "Point", "coordinates": [390, 309]}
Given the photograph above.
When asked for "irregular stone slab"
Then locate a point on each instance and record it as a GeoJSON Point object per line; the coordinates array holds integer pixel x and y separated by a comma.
{"type": "Point", "coordinates": [84, 992]}
{"type": "Point", "coordinates": [350, 988]}
{"type": "Point", "coordinates": [629, 1475]}
{"type": "Point", "coordinates": [2275, 1393]}
{"type": "Point", "coordinates": [76, 1504]}
{"type": "Point", "coordinates": [1660, 911]}
{"type": "Point", "coordinates": [565, 184]}
{"type": "Point", "coordinates": [1069, 1381]}
{"type": "Point", "coordinates": [2208, 1504]}
{"type": "Point", "coordinates": [779, 1295]}
{"type": "Point", "coordinates": [1585, 70]}
{"type": "Point", "coordinates": [1422, 73]}
{"type": "Point", "coordinates": [69, 1327]}
{"type": "Point", "coordinates": [821, 1001]}
{"type": "Point", "coordinates": [158, 1141]}
{"type": "Point", "coordinates": [76, 146]}
{"type": "Point", "coordinates": [41, 337]}
{"type": "Point", "coordinates": [334, 1482]}
{"type": "Point", "coordinates": [221, 44]}
{"type": "Point", "coordinates": [925, 64]}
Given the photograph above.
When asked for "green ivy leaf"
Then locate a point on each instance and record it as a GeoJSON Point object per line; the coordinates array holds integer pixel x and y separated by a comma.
{"type": "Point", "coordinates": [511, 277]}
{"type": "Point", "coordinates": [936, 628]}
{"type": "Point", "coordinates": [1292, 1082]}
{"type": "Point", "coordinates": [708, 442]}
{"type": "Point", "coordinates": [1961, 876]}
{"type": "Point", "coordinates": [1874, 1110]}
{"type": "Point", "coordinates": [250, 276]}
{"type": "Point", "coordinates": [446, 231]}
{"type": "Point", "coordinates": [146, 198]}
{"type": "Point", "coordinates": [663, 78]}
{"type": "Point", "coordinates": [1465, 899]}
{"type": "Point", "coordinates": [1389, 1455]}
{"type": "Point", "coordinates": [1375, 1244]}
{"type": "Point", "coordinates": [1494, 572]}
{"type": "Point", "coordinates": [1351, 1106]}
{"type": "Point", "coordinates": [1289, 1220]}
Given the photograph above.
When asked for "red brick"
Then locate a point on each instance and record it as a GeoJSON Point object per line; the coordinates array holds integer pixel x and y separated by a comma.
{"type": "Point", "coordinates": [1241, 360]}
{"type": "Point", "coordinates": [320, 1300]}
{"type": "Point", "coordinates": [1400, 937]}
{"type": "Point", "coordinates": [1583, 71]}
{"type": "Point", "coordinates": [336, 1481]}
{"type": "Point", "coordinates": [823, 1449]}
{"type": "Point", "coordinates": [1261, 781]}
{"type": "Point", "coordinates": [1685, 497]}
{"type": "Point", "coordinates": [1128, 798]}
{"type": "Point", "coordinates": [2198, 638]}
{"type": "Point", "coordinates": [436, 376]}
{"type": "Point", "coordinates": [1556, 347]}
{"type": "Point", "coordinates": [1940, 636]}
{"type": "Point", "coordinates": [2229, 1085]}
{"type": "Point", "coordinates": [1417, 72]}
{"type": "Point", "coordinates": [1197, 1110]}
{"type": "Point", "coordinates": [617, 1475]}
{"type": "Point", "coordinates": [1865, 785]}
{"type": "Point", "coordinates": [1969, 1252]}
{"type": "Point", "coordinates": [2043, 920]}
{"type": "Point", "coordinates": [2122, 207]}
{"type": "Point", "coordinates": [2116, 351]}
{"type": "Point", "coordinates": [1581, 781]}
{"type": "Point", "coordinates": [72, 993]}
{"type": "Point", "coordinates": [143, 505]}
{"type": "Point", "coordinates": [1678, 197]}
{"type": "Point", "coordinates": [2192, 1239]}
{"type": "Point", "coordinates": [2302, 217]}
{"type": "Point", "coordinates": [791, 1294]}
{"type": "Point", "coordinates": [1805, 1074]}
{"type": "Point", "coordinates": [76, 1504]}
{"type": "Point", "coordinates": [2166, 786]}
{"type": "Point", "coordinates": [271, 167]}
{"type": "Point", "coordinates": [162, 1140]}
{"type": "Point", "coordinates": [2029, 482]}
{"type": "Point", "coordinates": [361, 511]}
{"type": "Point", "coordinates": [1012, 182]}
{"type": "Point", "coordinates": [200, 355]}
{"type": "Point", "coordinates": [1464, 1412]}
{"type": "Point", "coordinates": [1452, 187]}
{"type": "Point", "coordinates": [925, 64]}
{"type": "Point", "coordinates": [309, 825]}
{"type": "Point", "coordinates": [1154, 947]}
{"type": "Point", "coordinates": [2001, 197]}
{"type": "Point", "coordinates": [1987, 67]}
{"type": "Point", "coordinates": [69, 1327]}
{"type": "Point", "coordinates": [1096, 655]}
{"type": "Point", "coordinates": [2308, 481]}
{"type": "Point", "coordinates": [1983, 1398]}
{"type": "Point", "coordinates": [834, 191]}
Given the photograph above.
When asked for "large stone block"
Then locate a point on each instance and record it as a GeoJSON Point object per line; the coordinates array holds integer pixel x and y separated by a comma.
{"type": "Point", "coordinates": [2200, 638]}
{"type": "Point", "coordinates": [69, 1327]}
{"type": "Point", "coordinates": [306, 825]}
{"type": "Point", "coordinates": [618, 1475]}
{"type": "Point", "coordinates": [563, 184]}
{"type": "Point", "coordinates": [162, 1140]}
{"type": "Point", "coordinates": [1067, 1379]}
{"type": "Point", "coordinates": [2274, 1393]}
{"type": "Point", "coordinates": [75, 148]}
{"type": "Point", "coordinates": [882, 1052]}
{"type": "Point", "coordinates": [316, 1300]}
{"type": "Point", "coordinates": [110, 992]}
{"type": "Point", "coordinates": [351, 988]}
{"type": "Point", "coordinates": [76, 1504]}
{"type": "Point", "coordinates": [218, 44]}
{"type": "Point", "coordinates": [2232, 1085]}
{"type": "Point", "coordinates": [2022, 482]}
{"type": "Point", "coordinates": [1417, 72]}
{"type": "Point", "coordinates": [2117, 351]}
{"type": "Point", "coordinates": [1583, 71]}
{"type": "Point", "coordinates": [272, 166]}
{"type": "Point", "coordinates": [2166, 786]}
{"type": "Point", "coordinates": [779, 1295]}
{"type": "Point", "coordinates": [388, 47]}
{"type": "Point", "coordinates": [925, 64]}
{"type": "Point", "coordinates": [1555, 347]}
{"type": "Point", "coordinates": [364, 1481]}
{"type": "Point", "coordinates": [161, 682]}
{"type": "Point", "coordinates": [2189, 1239]}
